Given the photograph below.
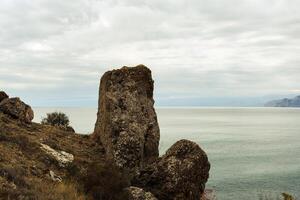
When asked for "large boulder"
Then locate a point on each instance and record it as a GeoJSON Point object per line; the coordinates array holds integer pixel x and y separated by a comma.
{"type": "Point", "coordinates": [3, 96]}
{"type": "Point", "coordinates": [126, 121]}
{"type": "Point", "coordinates": [180, 174]}
{"type": "Point", "coordinates": [17, 109]}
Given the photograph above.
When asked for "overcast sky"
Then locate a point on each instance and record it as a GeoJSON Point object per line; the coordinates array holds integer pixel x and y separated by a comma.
{"type": "Point", "coordinates": [201, 52]}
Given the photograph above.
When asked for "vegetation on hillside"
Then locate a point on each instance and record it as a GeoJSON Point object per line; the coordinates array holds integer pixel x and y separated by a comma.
{"type": "Point", "coordinates": [104, 181]}
{"type": "Point", "coordinates": [56, 119]}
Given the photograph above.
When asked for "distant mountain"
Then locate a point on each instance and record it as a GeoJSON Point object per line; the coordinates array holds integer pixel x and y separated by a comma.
{"type": "Point", "coordinates": [294, 102]}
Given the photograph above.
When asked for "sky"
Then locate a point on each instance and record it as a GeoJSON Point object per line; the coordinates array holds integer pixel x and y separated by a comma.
{"type": "Point", "coordinates": [201, 52]}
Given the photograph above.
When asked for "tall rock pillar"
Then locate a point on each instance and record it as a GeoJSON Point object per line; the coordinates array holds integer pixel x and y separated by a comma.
{"type": "Point", "coordinates": [126, 121]}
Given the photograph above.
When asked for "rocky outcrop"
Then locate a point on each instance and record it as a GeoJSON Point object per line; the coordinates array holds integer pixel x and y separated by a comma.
{"type": "Point", "coordinates": [136, 193]}
{"type": "Point", "coordinates": [126, 121]}
{"type": "Point", "coordinates": [17, 109]}
{"type": "Point", "coordinates": [128, 129]}
{"type": "Point", "coordinates": [180, 174]}
{"type": "Point", "coordinates": [3, 96]}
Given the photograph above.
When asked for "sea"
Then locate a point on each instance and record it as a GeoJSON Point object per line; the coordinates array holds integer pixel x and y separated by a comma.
{"type": "Point", "coordinates": [254, 152]}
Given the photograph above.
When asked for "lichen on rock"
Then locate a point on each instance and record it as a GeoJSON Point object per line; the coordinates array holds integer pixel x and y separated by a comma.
{"type": "Point", "coordinates": [62, 157]}
{"type": "Point", "coordinates": [136, 193]}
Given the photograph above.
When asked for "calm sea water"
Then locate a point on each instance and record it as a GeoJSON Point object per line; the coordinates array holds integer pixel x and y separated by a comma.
{"type": "Point", "coordinates": [253, 151]}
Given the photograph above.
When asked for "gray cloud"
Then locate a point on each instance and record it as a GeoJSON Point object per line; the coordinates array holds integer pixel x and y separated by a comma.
{"type": "Point", "coordinates": [54, 52]}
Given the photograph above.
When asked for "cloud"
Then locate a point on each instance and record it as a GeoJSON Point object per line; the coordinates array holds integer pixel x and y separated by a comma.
{"type": "Point", "coordinates": [196, 49]}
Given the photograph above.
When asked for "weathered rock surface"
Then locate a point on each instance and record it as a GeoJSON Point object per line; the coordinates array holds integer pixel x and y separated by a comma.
{"type": "Point", "coordinates": [139, 194]}
{"type": "Point", "coordinates": [62, 157]}
{"type": "Point", "coordinates": [3, 96]}
{"type": "Point", "coordinates": [180, 174]}
{"type": "Point", "coordinates": [126, 121]}
{"type": "Point", "coordinates": [17, 109]}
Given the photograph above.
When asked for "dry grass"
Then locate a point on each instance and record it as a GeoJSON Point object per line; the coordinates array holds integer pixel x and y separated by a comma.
{"type": "Point", "coordinates": [57, 191]}
{"type": "Point", "coordinates": [24, 167]}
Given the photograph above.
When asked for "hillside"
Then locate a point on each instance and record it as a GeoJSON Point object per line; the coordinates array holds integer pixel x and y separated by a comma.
{"type": "Point", "coordinates": [27, 171]}
{"type": "Point", "coordinates": [294, 102]}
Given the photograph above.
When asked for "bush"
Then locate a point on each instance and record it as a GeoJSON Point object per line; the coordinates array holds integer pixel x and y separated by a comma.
{"type": "Point", "coordinates": [56, 119]}
{"type": "Point", "coordinates": [105, 182]}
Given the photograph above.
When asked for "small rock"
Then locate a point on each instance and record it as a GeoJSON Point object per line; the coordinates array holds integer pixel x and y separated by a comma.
{"type": "Point", "coordinates": [139, 194]}
{"type": "Point", "coordinates": [62, 157]}
{"type": "Point", "coordinates": [54, 177]}
{"type": "Point", "coordinates": [3, 96]}
{"type": "Point", "coordinates": [209, 194]}
{"type": "Point", "coordinates": [287, 196]}
{"type": "Point", "coordinates": [17, 109]}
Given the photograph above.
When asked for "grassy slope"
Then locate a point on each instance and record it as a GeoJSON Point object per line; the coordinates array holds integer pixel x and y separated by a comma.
{"type": "Point", "coordinates": [24, 167]}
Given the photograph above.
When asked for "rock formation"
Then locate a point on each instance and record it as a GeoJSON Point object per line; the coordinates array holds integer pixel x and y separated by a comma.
{"type": "Point", "coordinates": [180, 174]}
{"type": "Point", "coordinates": [17, 109]}
{"type": "Point", "coordinates": [3, 96]}
{"type": "Point", "coordinates": [126, 120]}
{"type": "Point", "coordinates": [128, 129]}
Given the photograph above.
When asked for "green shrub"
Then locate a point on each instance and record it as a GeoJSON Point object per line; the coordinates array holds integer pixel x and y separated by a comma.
{"type": "Point", "coordinates": [56, 119]}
